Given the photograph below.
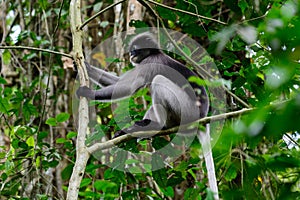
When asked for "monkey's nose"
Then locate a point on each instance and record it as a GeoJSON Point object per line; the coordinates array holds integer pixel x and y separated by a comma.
{"type": "Point", "coordinates": [133, 53]}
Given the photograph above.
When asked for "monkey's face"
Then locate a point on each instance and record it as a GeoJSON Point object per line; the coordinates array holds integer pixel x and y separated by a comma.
{"type": "Point", "coordinates": [137, 55]}
{"type": "Point", "coordinates": [141, 47]}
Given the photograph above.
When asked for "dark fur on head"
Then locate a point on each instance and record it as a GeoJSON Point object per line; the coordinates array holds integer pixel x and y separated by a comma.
{"type": "Point", "coordinates": [143, 41]}
{"type": "Point", "coordinates": [141, 46]}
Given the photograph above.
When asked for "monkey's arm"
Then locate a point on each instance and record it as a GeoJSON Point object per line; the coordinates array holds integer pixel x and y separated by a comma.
{"type": "Point", "coordinates": [104, 94]}
{"type": "Point", "coordinates": [100, 77]}
{"type": "Point", "coordinates": [126, 86]}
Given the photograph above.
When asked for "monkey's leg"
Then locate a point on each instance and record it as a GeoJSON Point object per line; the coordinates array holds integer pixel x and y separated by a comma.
{"type": "Point", "coordinates": [176, 106]}
{"type": "Point", "coordinates": [171, 106]}
{"type": "Point", "coordinates": [149, 122]}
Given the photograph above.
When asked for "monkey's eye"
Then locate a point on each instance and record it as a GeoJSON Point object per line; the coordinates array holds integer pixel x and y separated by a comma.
{"type": "Point", "coordinates": [134, 50]}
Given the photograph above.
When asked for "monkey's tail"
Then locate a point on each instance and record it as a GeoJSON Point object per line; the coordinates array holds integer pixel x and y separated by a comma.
{"type": "Point", "coordinates": [204, 138]}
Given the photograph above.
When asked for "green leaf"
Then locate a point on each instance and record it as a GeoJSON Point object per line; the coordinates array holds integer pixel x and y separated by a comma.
{"type": "Point", "coordinates": [137, 24]}
{"type": "Point", "coordinates": [60, 140]}
{"type": "Point", "coordinates": [166, 13]}
{"type": "Point", "coordinates": [29, 110]}
{"type": "Point", "coordinates": [2, 154]}
{"type": "Point", "coordinates": [71, 135]}
{"type": "Point", "coordinates": [194, 30]}
{"type": "Point", "coordinates": [243, 5]}
{"type": "Point", "coordinates": [52, 163]}
{"type": "Point", "coordinates": [15, 143]}
{"type": "Point", "coordinates": [135, 169]}
{"type": "Point", "coordinates": [61, 117]}
{"type": "Point", "coordinates": [231, 173]}
{"type": "Point", "coordinates": [2, 80]}
{"type": "Point", "coordinates": [38, 161]}
{"type": "Point", "coordinates": [112, 60]}
{"type": "Point", "coordinates": [85, 182]}
{"type": "Point", "coordinates": [131, 161]}
{"type": "Point", "coordinates": [43, 4]}
{"type": "Point", "coordinates": [4, 176]}
{"type": "Point", "coordinates": [160, 175]}
{"type": "Point", "coordinates": [191, 193]}
{"type": "Point", "coordinates": [187, 51]}
{"type": "Point", "coordinates": [159, 142]}
{"type": "Point", "coordinates": [67, 171]}
{"type": "Point", "coordinates": [42, 135]}
{"type": "Point", "coordinates": [183, 168]}
{"type": "Point", "coordinates": [169, 192]}
{"type": "Point", "coordinates": [23, 145]}
{"type": "Point", "coordinates": [6, 56]}
{"type": "Point", "coordinates": [4, 105]}
{"type": "Point", "coordinates": [103, 185]}
{"type": "Point", "coordinates": [30, 141]}
{"type": "Point", "coordinates": [30, 56]}
{"type": "Point", "coordinates": [199, 81]}
{"type": "Point", "coordinates": [210, 194]}
{"type": "Point", "coordinates": [8, 165]}
{"type": "Point", "coordinates": [51, 121]}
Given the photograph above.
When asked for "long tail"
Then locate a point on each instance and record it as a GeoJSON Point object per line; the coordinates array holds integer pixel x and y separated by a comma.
{"type": "Point", "coordinates": [204, 139]}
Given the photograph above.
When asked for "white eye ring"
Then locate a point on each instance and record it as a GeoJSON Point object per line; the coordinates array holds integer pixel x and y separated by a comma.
{"type": "Point", "coordinates": [134, 47]}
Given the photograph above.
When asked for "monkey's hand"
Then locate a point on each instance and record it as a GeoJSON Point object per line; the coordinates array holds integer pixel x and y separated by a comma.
{"type": "Point", "coordinates": [85, 92]}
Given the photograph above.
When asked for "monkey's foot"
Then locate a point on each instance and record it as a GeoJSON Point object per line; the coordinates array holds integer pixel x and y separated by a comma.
{"type": "Point", "coordinates": [119, 133]}
{"type": "Point", "coordinates": [142, 125]}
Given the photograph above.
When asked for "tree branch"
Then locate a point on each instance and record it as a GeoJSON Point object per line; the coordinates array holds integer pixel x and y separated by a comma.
{"type": "Point", "coordinates": [144, 134]}
{"type": "Point", "coordinates": [203, 137]}
{"type": "Point", "coordinates": [186, 12]}
{"type": "Point", "coordinates": [37, 49]}
{"type": "Point", "coordinates": [99, 13]}
{"type": "Point", "coordinates": [82, 155]}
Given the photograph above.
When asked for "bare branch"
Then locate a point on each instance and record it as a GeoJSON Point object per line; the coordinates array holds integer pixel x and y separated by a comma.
{"type": "Point", "coordinates": [203, 137]}
{"type": "Point", "coordinates": [37, 49]}
{"type": "Point", "coordinates": [145, 134]}
{"type": "Point", "coordinates": [185, 12]}
{"type": "Point", "coordinates": [99, 13]}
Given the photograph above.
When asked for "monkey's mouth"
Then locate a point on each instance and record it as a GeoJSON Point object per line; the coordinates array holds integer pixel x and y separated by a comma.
{"type": "Point", "coordinates": [134, 58]}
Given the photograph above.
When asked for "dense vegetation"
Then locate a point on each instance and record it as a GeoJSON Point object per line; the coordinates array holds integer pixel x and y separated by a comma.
{"type": "Point", "coordinates": [256, 49]}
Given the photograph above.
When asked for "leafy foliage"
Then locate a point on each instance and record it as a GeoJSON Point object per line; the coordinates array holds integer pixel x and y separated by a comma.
{"type": "Point", "coordinates": [256, 156]}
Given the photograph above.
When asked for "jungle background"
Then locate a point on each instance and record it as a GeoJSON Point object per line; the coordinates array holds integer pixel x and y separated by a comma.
{"type": "Point", "coordinates": [256, 48]}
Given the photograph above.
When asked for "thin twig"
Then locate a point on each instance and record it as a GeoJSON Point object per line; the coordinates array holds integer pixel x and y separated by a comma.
{"type": "Point", "coordinates": [99, 13]}
{"type": "Point", "coordinates": [185, 12]}
{"type": "Point", "coordinates": [59, 16]}
{"type": "Point", "coordinates": [37, 49]}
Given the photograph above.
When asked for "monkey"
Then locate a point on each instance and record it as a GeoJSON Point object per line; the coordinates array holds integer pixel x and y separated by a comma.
{"type": "Point", "coordinates": [175, 99]}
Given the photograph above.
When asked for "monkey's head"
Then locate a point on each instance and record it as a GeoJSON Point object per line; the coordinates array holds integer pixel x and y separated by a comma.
{"type": "Point", "coordinates": [142, 46]}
